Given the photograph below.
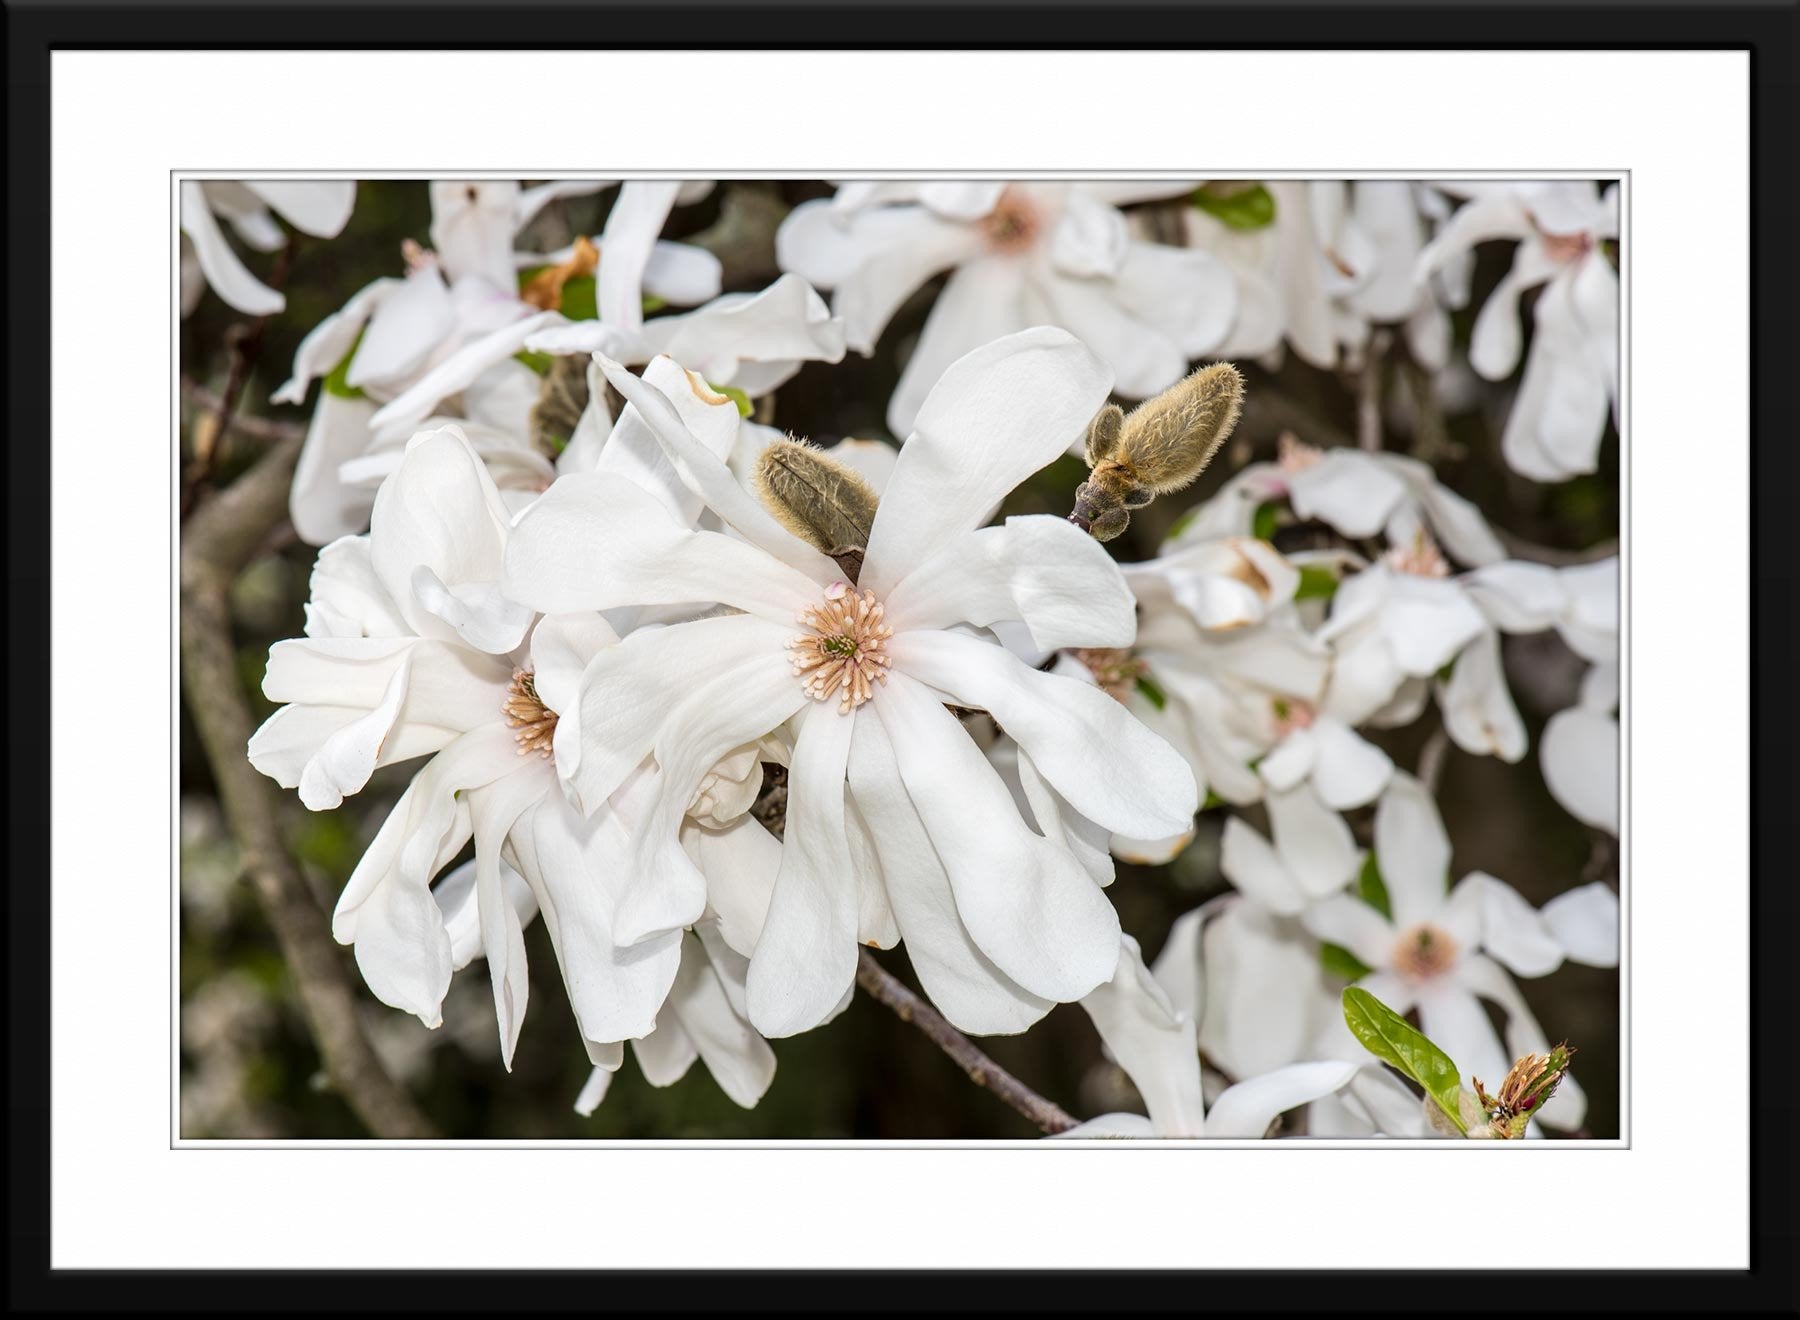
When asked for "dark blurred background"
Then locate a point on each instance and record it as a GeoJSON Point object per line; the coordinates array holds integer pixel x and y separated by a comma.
{"type": "Point", "coordinates": [249, 1068]}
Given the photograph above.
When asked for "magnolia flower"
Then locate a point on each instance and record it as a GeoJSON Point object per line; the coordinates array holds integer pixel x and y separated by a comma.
{"type": "Point", "coordinates": [749, 342]}
{"type": "Point", "coordinates": [394, 334]}
{"type": "Point", "coordinates": [1355, 492]}
{"type": "Point", "coordinates": [411, 651]}
{"type": "Point", "coordinates": [1153, 1040]}
{"type": "Point", "coordinates": [1571, 380]}
{"type": "Point", "coordinates": [1334, 258]}
{"type": "Point", "coordinates": [1217, 658]}
{"type": "Point", "coordinates": [1580, 752]}
{"type": "Point", "coordinates": [1022, 254]}
{"type": "Point", "coordinates": [897, 826]}
{"type": "Point", "coordinates": [1443, 952]}
{"type": "Point", "coordinates": [317, 207]}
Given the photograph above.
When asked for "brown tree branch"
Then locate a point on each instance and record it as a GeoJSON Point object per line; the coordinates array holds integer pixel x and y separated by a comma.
{"type": "Point", "coordinates": [882, 986]}
{"type": "Point", "coordinates": [267, 429]}
{"type": "Point", "coordinates": [217, 540]}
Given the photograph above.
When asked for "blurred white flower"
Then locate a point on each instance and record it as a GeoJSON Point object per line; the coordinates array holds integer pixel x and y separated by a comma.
{"type": "Point", "coordinates": [1443, 948]}
{"type": "Point", "coordinates": [313, 206]}
{"type": "Point", "coordinates": [1571, 380]}
{"type": "Point", "coordinates": [1022, 254]}
{"type": "Point", "coordinates": [1000, 921]}
{"type": "Point", "coordinates": [394, 335]}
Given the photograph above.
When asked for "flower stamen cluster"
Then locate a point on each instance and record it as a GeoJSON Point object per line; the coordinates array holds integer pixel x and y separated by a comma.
{"type": "Point", "coordinates": [526, 712]}
{"type": "Point", "coordinates": [846, 647]}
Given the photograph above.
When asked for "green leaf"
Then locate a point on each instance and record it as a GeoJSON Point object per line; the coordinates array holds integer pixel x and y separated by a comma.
{"type": "Point", "coordinates": [1152, 693]}
{"type": "Point", "coordinates": [580, 302]}
{"type": "Point", "coordinates": [1392, 1039]}
{"type": "Point", "coordinates": [654, 304]}
{"type": "Point", "coordinates": [736, 395]}
{"type": "Point", "coordinates": [337, 380]}
{"type": "Point", "coordinates": [1212, 800]}
{"type": "Point", "coordinates": [1244, 208]}
{"type": "Point", "coordinates": [1262, 526]}
{"type": "Point", "coordinates": [1341, 963]}
{"type": "Point", "coordinates": [1372, 889]}
{"type": "Point", "coordinates": [538, 362]}
{"type": "Point", "coordinates": [1317, 582]}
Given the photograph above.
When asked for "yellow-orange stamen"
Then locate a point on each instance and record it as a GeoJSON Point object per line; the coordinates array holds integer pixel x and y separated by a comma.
{"type": "Point", "coordinates": [844, 649]}
{"type": "Point", "coordinates": [526, 712]}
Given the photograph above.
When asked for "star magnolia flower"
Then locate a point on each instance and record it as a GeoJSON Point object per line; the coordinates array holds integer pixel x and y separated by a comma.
{"type": "Point", "coordinates": [412, 651]}
{"type": "Point", "coordinates": [750, 342]}
{"type": "Point", "coordinates": [1217, 654]}
{"type": "Point", "coordinates": [1336, 258]}
{"type": "Point", "coordinates": [1580, 750]}
{"type": "Point", "coordinates": [1355, 492]}
{"type": "Point", "coordinates": [1153, 1040]}
{"type": "Point", "coordinates": [317, 207]}
{"type": "Point", "coordinates": [1023, 254]}
{"type": "Point", "coordinates": [925, 844]}
{"type": "Point", "coordinates": [1571, 380]}
{"type": "Point", "coordinates": [395, 333]}
{"type": "Point", "coordinates": [1442, 952]}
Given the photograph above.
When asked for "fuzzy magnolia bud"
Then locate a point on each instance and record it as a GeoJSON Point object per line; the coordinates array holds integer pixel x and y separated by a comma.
{"type": "Point", "coordinates": [1160, 446]}
{"type": "Point", "coordinates": [820, 500]}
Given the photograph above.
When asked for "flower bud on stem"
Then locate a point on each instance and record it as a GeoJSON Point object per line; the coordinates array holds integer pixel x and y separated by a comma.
{"type": "Point", "coordinates": [1160, 446]}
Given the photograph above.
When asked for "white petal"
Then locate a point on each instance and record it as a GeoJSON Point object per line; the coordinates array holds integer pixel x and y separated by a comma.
{"type": "Point", "coordinates": [1356, 926]}
{"type": "Point", "coordinates": [1056, 820]}
{"type": "Point", "coordinates": [1107, 1127]}
{"type": "Point", "coordinates": [1478, 709]}
{"type": "Point", "coordinates": [1314, 842]}
{"type": "Point", "coordinates": [1412, 851]}
{"type": "Point", "coordinates": [1107, 765]}
{"type": "Point", "coordinates": [1347, 489]}
{"type": "Point", "coordinates": [492, 812]}
{"type": "Point", "coordinates": [1453, 1020]}
{"type": "Point", "coordinates": [1247, 1109]}
{"type": "Point", "coordinates": [1028, 904]}
{"type": "Point", "coordinates": [982, 302]}
{"type": "Point", "coordinates": [1265, 991]}
{"type": "Point", "coordinates": [321, 505]}
{"type": "Point", "coordinates": [224, 272]}
{"type": "Point", "coordinates": [1585, 921]}
{"type": "Point", "coordinates": [327, 342]}
{"type": "Point", "coordinates": [706, 475]}
{"type": "Point", "coordinates": [631, 451]}
{"type": "Point", "coordinates": [806, 957]}
{"type": "Point", "coordinates": [320, 207]}
{"type": "Point", "coordinates": [632, 225]}
{"type": "Point", "coordinates": [1426, 621]}
{"type": "Point", "coordinates": [1518, 597]}
{"type": "Point", "coordinates": [1497, 336]}
{"type": "Point", "coordinates": [572, 865]}
{"type": "Point", "coordinates": [752, 341]}
{"type": "Point", "coordinates": [630, 693]}
{"type": "Point", "coordinates": [961, 980]}
{"type": "Point", "coordinates": [593, 1091]}
{"type": "Point", "coordinates": [1089, 238]}
{"type": "Point", "coordinates": [740, 1061]}
{"type": "Point", "coordinates": [1511, 929]}
{"type": "Point", "coordinates": [1038, 568]}
{"type": "Point", "coordinates": [997, 416]}
{"type": "Point", "coordinates": [1350, 771]}
{"type": "Point", "coordinates": [472, 225]}
{"type": "Point", "coordinates": [1142, 359]}
{"type": "Point", "coordinates": [1252, 864]}
{"type": "Point", "coordinates": [666, 1054]}
{"type": "Point", "coordinates": [1187, 295]}
{"type": "Point", "coordinates": [900, 249]}
{"type": "Point", "coordinates": [1579, 756]}
{"type": "Point", "coordinates": [1153, 1042]}
{"type": "Point", "coordinates": [457, 372]}
{"type": "Point", "coordinates": [405, 328]}
{"type": "Point", "coordinates": [1290, 763]}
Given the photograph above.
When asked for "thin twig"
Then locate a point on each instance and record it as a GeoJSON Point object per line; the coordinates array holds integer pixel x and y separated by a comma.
{"type": "Point", "coordinates": [216, 542]}
{"type": "Point", "coordinates": [1368, 393]}
{"type": "Point", "coordinates": [880, 985]}
{"type": "Point", "coordinates": [1431, 759]}
{"type": "Point", "coordinates": [270, 430]}
{"type": "Point", "coordinates": [1517, 547]}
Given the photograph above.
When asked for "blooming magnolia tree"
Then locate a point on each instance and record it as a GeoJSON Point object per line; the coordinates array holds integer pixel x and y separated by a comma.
{"type": "Point", "coordinates": [699, 613]}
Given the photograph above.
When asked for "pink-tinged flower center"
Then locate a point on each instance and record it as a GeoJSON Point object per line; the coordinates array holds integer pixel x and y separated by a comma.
{"type": "Point", "coordinates": [1115, 669]}
{"type": "Point", "coordinates": [1014, 223]}
{"type": "Point", "coordinates": [416, 256]}
{"type": "Point", "coordinates": [1424, 951]}
{"type": "Point", "coordinates": [1291, 716]}
{"type": "Point", "coordinates": [526, 712]}
{"type": "Point", "coordinates": [1564, 248]}
{"type": "Point", "coordinates": [1420, 558]}
{"type": "Point", "coordinates": [844, 648]}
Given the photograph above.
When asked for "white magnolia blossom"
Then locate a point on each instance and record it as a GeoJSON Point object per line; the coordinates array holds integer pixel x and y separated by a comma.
{"type": "Point", "coordinates": [411, 651]}
{"type": "Point", "coordinates": [897, 826]}
{"type": "Point", "coordinates": [396, 334]}
{"type": "Point", "coordinates": [1336, 259]}
{"type": "Point", "coordinates": [1357, 493]}
{"type": "Point", "coordinates": [1023, 254]}
{"type": "Point", "coordinates": [313, 206]}
{"type": "Point", "coordinates": [1571, 380]}
{"type": "Point", "coordinates": [1444, 950]}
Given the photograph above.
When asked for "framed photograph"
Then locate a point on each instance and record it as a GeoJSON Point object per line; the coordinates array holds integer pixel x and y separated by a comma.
{"type": "Point", "coordinates": [1052, 677]}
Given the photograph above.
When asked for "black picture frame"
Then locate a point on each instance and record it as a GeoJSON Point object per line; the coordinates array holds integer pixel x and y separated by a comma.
{"type": "Point", "coordinates": [1767, 30]}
